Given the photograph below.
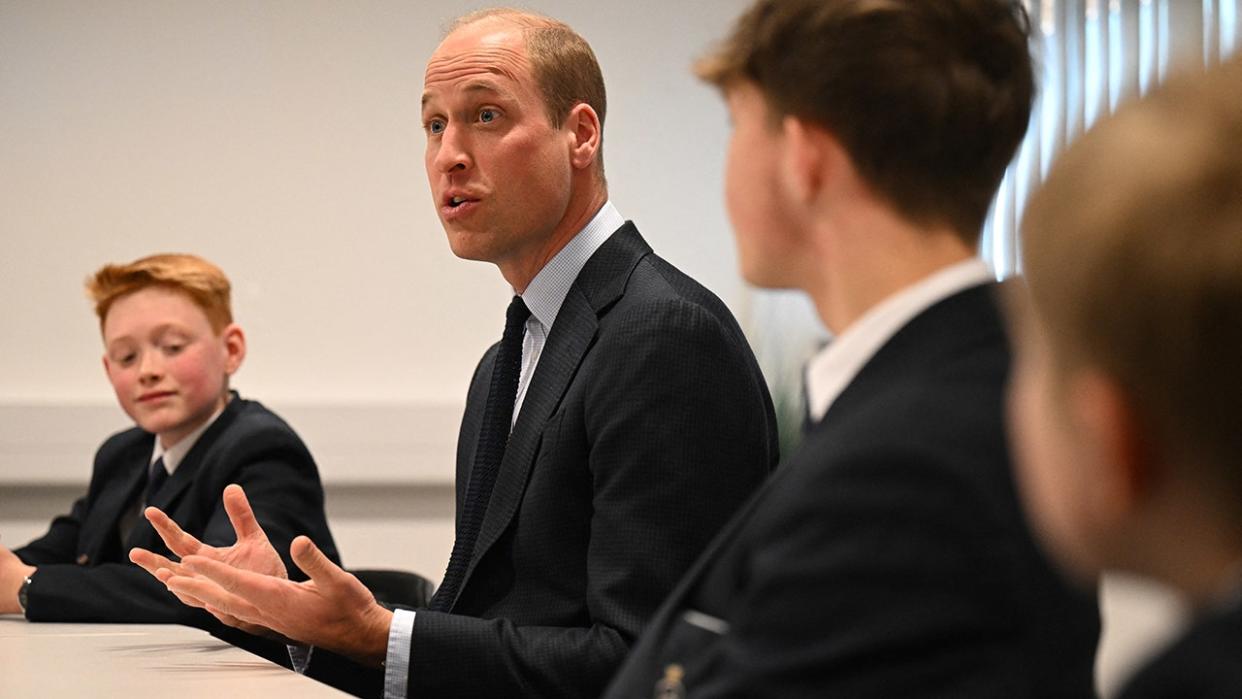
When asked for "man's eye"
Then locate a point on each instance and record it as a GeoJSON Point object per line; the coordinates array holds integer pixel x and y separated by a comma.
{"type": "Point", "coordinates": [173, 348]}
{"type": "Point", "coordinates": [435, 126]}
{"type": "Point", "coordinates": [126, 360]}
{"type": "Point", "coordinates": [487, 115]}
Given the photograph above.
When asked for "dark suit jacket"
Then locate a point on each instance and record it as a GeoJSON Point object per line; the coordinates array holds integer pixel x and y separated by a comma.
{"type": "Point", "coordinates": [84, 573]}
{"type": "Point", "coordinates": [1206, 663]}
{"type": "Point", "coordinates": [887, 557]}
{"type": "Point", "coordinates": [646, 424]}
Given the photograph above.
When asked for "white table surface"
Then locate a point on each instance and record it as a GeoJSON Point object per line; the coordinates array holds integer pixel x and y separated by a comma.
{"type": "Point", "coordinates": [134, 661]}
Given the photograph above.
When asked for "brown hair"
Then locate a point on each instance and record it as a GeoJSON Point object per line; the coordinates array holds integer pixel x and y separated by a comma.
{"type": "Point", "coordinates": [562, 62]}
{"type": "Point", "coordinates": [1133, 256]}
{"type": "Point", "coordinates": [929, 98]}
{"type": "Point", "coordinates": [203, 282]}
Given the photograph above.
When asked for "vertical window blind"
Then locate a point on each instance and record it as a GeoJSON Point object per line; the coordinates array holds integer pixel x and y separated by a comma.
{"type": "Point", "coordinates": [1093, 55]}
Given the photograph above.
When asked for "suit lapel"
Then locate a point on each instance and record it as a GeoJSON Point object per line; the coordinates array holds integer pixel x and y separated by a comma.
{"type": "Point", "coordinates": [600, 283]}
{"type": "Point", "coordinates": [103, 538]}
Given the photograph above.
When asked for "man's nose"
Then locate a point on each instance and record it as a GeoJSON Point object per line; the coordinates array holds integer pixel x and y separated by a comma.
{"type": "Point", "coordinates": [453, 152]}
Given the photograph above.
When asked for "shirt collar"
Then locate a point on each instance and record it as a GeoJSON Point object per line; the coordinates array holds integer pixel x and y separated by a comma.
{"type": "Point", "coordinates": [835, 366]}
{"type": "Point", "coordinates": [547, 291]}
{"type": "Point", "coordinates": [174, 454]}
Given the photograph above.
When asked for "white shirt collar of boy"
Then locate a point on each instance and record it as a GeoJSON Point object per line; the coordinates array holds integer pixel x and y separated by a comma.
{"type": "Point", "coordinates": [835, 366]}
{"type": "Point", "coordinates": [174, 454]}
{"type": "Point", "coordinates": [546, 293]}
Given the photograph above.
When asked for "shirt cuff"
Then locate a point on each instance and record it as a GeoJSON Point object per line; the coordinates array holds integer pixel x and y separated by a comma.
{"type": "Point", "coordinates": [299, 656]}
{"type": "Point", "coordinates": [397, 662]}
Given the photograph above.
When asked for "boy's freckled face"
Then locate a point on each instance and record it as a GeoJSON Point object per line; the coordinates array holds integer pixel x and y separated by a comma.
{"type": "Point", "coordinates": [168, 367]}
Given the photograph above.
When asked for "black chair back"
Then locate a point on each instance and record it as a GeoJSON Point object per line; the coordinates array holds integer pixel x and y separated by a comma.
{"type": "Point", "coordinates": [396, 588]}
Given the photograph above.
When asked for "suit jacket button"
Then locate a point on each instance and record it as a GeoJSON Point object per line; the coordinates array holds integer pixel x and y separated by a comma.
{"type": "Point", "coordinates": [83, 560]}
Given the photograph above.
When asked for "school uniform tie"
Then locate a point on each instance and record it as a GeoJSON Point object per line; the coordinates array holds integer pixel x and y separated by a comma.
{"type": "Point", "coordinates": [156, 475]}
{"type": "Point", "coordinates": [493, 437]}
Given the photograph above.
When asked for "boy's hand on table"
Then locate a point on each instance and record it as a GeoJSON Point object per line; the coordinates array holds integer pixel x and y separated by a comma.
{"type": "Point", "coordinates": [12, 574]}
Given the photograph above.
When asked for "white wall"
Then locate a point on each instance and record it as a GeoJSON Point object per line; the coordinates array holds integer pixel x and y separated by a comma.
{"type": "Point", "coordinates": [282, 140]}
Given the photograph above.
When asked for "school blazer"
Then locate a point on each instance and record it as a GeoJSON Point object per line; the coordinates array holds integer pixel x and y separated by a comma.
{"type": "Point", "coordinates": [887, 556]}
{"type": "Point", "coordinates": [84, 573]}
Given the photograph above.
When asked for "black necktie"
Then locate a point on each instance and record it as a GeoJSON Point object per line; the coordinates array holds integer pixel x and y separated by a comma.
{"type": "Point", "coordinates": [156, 475]}
{"type": "Point", "coordinates": [493, 436]}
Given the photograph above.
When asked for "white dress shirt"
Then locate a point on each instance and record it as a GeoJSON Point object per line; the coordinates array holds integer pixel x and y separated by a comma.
{"type": "Point", "coordinates": [835, 366]}
{"type": "Point", "coordinates": [543, 296]}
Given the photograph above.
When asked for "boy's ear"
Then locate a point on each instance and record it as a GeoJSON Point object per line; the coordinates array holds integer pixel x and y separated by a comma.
{"type": "Point", "coordinates": [583, 123]}
{"type": "Point", "coordinates": [234, 346]}
{"type": "Point", "coordinates": [813, 160]}
{"type": "Point", "coordinates": [803, 158]}
{"type": "Point", "coordinates": [1112, 430]}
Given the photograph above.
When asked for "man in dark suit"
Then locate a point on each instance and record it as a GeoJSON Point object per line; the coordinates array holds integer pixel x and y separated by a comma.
{"type": "Point", "coordinates": [887, 556]}
{"type": "Point", "coordinates": [170, 348]}
{"type": "Point", "coordinates": [617, 425]}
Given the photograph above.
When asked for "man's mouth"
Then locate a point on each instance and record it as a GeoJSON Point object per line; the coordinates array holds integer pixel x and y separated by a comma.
{"type": "Point", "coordinates": [154, 396]}
{"type": "Point", "coordinates": [458, 205]}
{"type": "Point", "coordinates": [455, 197]}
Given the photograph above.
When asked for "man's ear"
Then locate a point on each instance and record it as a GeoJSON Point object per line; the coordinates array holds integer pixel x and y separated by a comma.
{"type": "Point", "coordinates": [234, 347]}
{"type": "Point", "coordinates": [107, 365]}
{"type": "Point", "coordinates": [1111, 428]}
{"type": "Point", "coordinates": [583, 124]}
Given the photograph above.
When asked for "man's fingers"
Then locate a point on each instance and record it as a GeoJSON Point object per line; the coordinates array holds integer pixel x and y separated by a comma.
{"type": "Point", "coordinates": [229, 620]}
{"type": "Point", "coordinates": [254, 587]}
{"type": "Point", "coordinates": [317, 566]}
{"type": "Point", "coordinates": [207, 594]}
{"type": "Point", "coordinates": [185, 598]}
{"type": "Point", "coordinates": [252, 629]}
{"type": "Point", "coordinates": [153, 562]}
{"type": "Point", "coordinates": [240, 514]}
{"type": "Point", "coordinates": [174, 537]}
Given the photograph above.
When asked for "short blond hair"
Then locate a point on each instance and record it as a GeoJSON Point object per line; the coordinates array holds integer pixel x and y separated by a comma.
{"type": "Point", "coordinates": [200, 280]}
{"type": "Point", "coordinates": [1133, 256]}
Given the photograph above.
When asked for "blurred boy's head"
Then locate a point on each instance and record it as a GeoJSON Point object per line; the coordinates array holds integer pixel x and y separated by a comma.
{"type": "Point", "coordinates": [1127, 398]}
{"type": "Point", "coordinates": [928, 101]}
{"type": "Point", "coordinates": [170, 344]}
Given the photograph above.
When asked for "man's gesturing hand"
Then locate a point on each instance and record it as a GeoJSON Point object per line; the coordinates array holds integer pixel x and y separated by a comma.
{"type": "Point", "coordinates": [332, 610]}
{"type": "Point", "coordinates": [252, 552]}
